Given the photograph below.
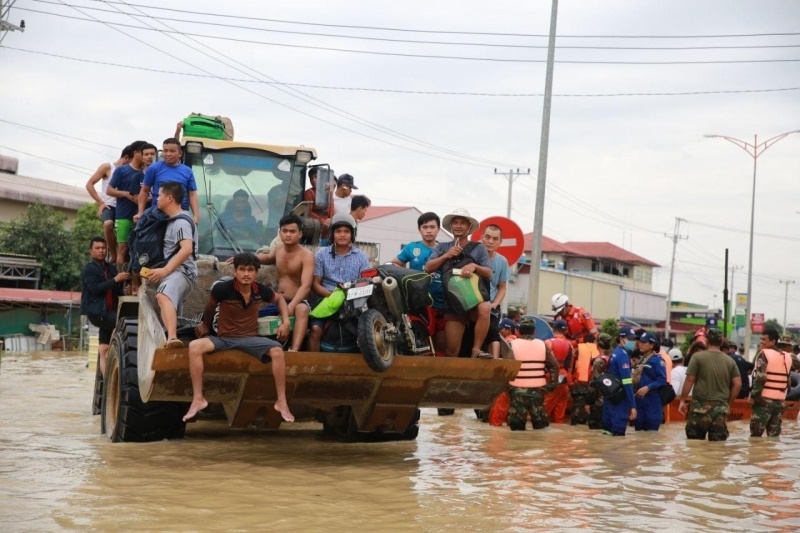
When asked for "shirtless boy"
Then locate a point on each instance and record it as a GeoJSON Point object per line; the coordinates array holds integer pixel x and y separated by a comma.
{"type": "Point", "coordinates": [295, 265]}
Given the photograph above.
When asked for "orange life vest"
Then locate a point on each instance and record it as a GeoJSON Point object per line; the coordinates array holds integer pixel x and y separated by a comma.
{"type": "Point", "coordinates": [532, 354]}
{"type": "Point", "coordinates": [586, 353]}
{"type": "Point", "coordinates": [778, 366]}
{"type": "Point", "coordinates": [579, 323]}
{"type": "Point", "coordinates": [561, 348]}
{"type": "Point", "coordinates": [668, 364]}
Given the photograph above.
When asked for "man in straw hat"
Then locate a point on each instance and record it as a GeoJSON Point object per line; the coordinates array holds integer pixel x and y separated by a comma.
{"type": "Point", "coordinates": [458, 252]}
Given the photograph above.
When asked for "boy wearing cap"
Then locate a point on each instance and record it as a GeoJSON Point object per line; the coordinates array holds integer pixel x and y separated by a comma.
{"type": "Point", "coordinates": [678, 372]}
{"type": "Point", "coordinates": [507, 329]}
{"type": "Point", "coordinates": [461, 224]}
{"type": "Point", "coordinates": [654, 376]}
{"type": "Point", "coordinates": [617, 415]}
{"type": "Point", "coordinates": [345, 185]}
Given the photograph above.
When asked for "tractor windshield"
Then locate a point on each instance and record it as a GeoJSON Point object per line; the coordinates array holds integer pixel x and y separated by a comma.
{"type": "Point", "coordinates": [243, 193]}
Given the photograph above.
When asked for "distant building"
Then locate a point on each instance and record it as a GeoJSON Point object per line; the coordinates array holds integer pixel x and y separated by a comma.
{"type": "Point", "coordinates": [18, 192]}
{"type": "Point", "coordinates": [391, 226]}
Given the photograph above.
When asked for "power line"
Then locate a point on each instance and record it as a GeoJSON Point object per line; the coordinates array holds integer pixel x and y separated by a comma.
{"type": "Point", "coordinates": [55, 133]}
{"type": "Point", "coordinates": [411, 41]}
{"type": "Point", "coordinates": [736, 230]}
{"type": "Point", "coordinates": [68, 166]}
{"type": "Point", "coordinates": [410, 55]}
{"type": "Point", "coordinates": [55, 137]}
{"type": "Point", "coordinates": [396, 91]}
{"type": "Point", "coordinates": [287, 106]}
{"type": "Point", "coordinates": [328, 107]}
{"type": "Point", "coordinates": [451, 32]}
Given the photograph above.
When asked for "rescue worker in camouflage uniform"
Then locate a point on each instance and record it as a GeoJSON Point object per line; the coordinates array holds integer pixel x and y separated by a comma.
{"type": "Point", "coordinates": [587, 351]}
{"type": "Point", "coordinates": [770, 382]}
{"type": "Point", "coordinates": [594, 402]}
{"type": "Point", "coordinates": [716, 381]}
{"type": "Point", "coordinates": [537, 376]}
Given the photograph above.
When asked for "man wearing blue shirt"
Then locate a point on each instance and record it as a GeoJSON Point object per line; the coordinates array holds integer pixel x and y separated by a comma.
{"type": "Point", "coordinates": [338, 263]}
{"type": "Point", "coordinates": [653, 376]}
{"type": "Point", "coordinates": [170, 169]}
{"type": "Point", "coordinates": [617, 412]}
{"type": "Point", "coordinates": [492, 238]}
{"type": "Point", "coordinates": [125, 185]}
{"type": "Point", "coordinates": [416, 254]}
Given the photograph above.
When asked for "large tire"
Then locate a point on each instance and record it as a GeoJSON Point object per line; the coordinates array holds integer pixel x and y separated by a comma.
{"type": "Point", "coordinates": [377, 351]}
{"type": "Point", "coordinates": [340, 424]}
{"type": "Point", "coordinates": [97, 398]}
{"type": "Point", "coordinates": [126, 417]}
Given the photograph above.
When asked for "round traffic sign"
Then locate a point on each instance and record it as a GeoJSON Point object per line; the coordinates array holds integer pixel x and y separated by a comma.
{"type": "Point", "coordinates": [513, 240]}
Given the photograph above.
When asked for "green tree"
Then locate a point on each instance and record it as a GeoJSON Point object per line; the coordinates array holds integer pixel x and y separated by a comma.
{"type": "Point", "coordinates": [610, 326]}
{"type": "Point", "coordinates": [87, 225]}
{"type": "Point", "coordinates": [773, 323]}
{"type": "Point", "coordinates": [40, 233]}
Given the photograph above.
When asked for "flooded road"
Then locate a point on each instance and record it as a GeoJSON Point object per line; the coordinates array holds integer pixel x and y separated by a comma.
{"type": "Point", "coordinates": [58, 473]}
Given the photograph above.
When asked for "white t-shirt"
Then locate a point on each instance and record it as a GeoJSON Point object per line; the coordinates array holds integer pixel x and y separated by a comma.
{"type": "Point", "coordinates": [108, 200]}
{"type": "Point", "coordinates": [341, 205]}
{"type": "Point", "coordinates": [678, 379]}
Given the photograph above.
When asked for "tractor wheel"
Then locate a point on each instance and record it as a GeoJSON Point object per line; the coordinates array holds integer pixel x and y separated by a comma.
{"type": "Point", "coordinates": [378, 352]}
{"type": "Point", "coordinates": [125, 416]}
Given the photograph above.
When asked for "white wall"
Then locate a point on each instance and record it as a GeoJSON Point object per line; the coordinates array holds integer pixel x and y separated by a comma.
{"type": "Point", "coordinates": [391, 232]}
{"type": "Point", "coordinates": [642, 306]}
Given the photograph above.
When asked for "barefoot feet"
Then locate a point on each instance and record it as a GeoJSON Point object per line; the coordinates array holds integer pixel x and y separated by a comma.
{"type": "Point", "coordinates": [196, 407]}
{"type": "Point", "coordinates": [283, 409]}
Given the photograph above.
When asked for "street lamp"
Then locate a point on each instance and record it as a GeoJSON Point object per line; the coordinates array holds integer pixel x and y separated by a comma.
{"type": "Point", "coordinates": [754, 150]}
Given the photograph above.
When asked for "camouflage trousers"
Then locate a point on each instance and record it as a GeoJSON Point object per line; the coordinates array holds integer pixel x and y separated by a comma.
{"type": "Point", "coordinates": [595, 418]}
{"type": "Point", "coordinates": [524, 402]}
{"type": "Point", "coordinates": [767, 414]}
{"type": "Point", "coordinates": [580, 395]}
{"type": "Point", "coordinates": [707, 417]}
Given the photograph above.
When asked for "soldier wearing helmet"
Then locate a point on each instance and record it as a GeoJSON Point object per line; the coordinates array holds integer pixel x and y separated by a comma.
{"type": "Point", "coordinates": [579, 320]}
{"type": "Point", "coordinates": [338, 263]}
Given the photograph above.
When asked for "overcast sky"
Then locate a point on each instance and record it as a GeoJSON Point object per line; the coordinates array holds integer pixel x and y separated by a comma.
{"type": "Point", "coordinates": [622, 165]}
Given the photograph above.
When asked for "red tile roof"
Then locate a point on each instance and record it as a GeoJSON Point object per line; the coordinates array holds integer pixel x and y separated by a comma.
{"type": "Point", "coordinates": [376, 211]}
{"type": "Point", "coordinates": [602, 250]}
{"type": "Point", "coordinates": [606, 250]}
{"type": "Point", "coordinates": [39, 297]}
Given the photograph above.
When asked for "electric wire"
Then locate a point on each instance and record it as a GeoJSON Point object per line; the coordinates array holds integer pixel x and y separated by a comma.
{"type": "Point", "coordinates": [410, 55]}
{"type": "Point", "coordinates": [395, 91]}
{"type": "Point", "coordinates": [68, 166]}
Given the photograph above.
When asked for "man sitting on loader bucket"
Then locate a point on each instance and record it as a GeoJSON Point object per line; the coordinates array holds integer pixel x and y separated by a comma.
{"type": "Point", "coordinates": [239, 300]}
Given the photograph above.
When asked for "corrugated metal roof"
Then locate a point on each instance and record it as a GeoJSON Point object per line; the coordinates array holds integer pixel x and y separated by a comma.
{"type": "Point", "coordinates": [52, 193]}
{"type": "Point", "coordinates": [39, 297]}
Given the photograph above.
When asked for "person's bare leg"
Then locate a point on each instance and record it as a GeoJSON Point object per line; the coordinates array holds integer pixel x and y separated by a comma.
{"type": "Point", "coordinates": [197, 348]}
{"type": "Point", "coordinates": [481, 315]}
{"type": "Point", "coordinates": [169, 316]}
{"type": "Point", "coordinates": [314, 338]}
{"type": "Point", "coordinates": [279, 373]}
{"type": "Point", "coordinates": [122, 255]}
{"type": "Point", "coordinates": [494, 349]}
{"type": "Point", "coordinates": [111, 238]}
{"type": "Point", "coordinates": [102, 351]}
{"type": "Point", "coordinates": [453, 333]}
{"type": "Point", "coordinates": [300, 326]}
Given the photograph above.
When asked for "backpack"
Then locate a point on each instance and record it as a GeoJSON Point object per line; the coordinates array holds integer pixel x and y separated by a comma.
{"type": "Point", "coordinates": [414, 285]}
{"type": "Point", "coordinates": [610, 387]}
{"type": "Point", "coordinates": [667, 394]}
{"type": "Point", "coordinates": [146, 241]}
{"type": "Point", "coordinates": [463, 294]}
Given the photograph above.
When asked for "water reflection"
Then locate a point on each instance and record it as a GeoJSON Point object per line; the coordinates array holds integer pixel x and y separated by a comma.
{"type": "Point", "coordinates": [58, 473]}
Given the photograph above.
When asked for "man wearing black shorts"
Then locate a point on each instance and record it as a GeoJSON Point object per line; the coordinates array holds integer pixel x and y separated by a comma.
{"type": "Point", "coordinates": [239, 300]}
{"type": "Point", "coordinates": [101, 287]}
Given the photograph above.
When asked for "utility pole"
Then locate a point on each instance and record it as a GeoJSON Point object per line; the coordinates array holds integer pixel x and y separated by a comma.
{"type": "Point", "coordinates": [541, 175]}
{"type": "Point", "coordinates": [511, 175]}
{"type": "Point", "coordinates": [675, 238]}
{"type": "Point", "coordinates": [5, 25]}
{"type": "Point", "coordinates": [732, 302]}
{"type": "Point", "coordinates": [785, 302]}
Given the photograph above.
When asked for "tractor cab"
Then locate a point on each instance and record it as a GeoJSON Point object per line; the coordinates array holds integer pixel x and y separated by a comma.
{"type": "Point", "coordinates": [243, 190]}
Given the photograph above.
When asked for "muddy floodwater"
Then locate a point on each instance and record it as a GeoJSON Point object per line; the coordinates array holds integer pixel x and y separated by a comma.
{"type": "Point", "coordinates": [57, 473]}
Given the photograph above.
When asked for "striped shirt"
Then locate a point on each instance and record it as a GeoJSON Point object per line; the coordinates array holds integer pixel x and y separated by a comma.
{"type": "Point", "coordinates": [334, 268]}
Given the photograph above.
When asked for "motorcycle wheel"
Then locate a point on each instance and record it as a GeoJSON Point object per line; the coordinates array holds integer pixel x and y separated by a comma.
{"type": "Point", "coordinates": [377, 351]}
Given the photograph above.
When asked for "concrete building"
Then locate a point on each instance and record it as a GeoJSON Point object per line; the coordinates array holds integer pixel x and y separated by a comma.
{"type": "Point", "coordinates": [392, 227]}
{"type": "Point", "coordinates": [18, 192]}
{"type": "Point", "coordinates": [608, 281]}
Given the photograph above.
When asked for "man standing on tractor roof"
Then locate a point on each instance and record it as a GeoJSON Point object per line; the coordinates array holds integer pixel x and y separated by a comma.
{"type": "Point", "coordinates": [579, 320]}
{"type": "Point", "coordinates": [107, 204]}
{"type": "Point", "coordinates": [458, 251]}
{"type": "Point", "coordinates": [238, 301]}
{"type": "Point", "coordinates": [170, 169]}
{"type": "Point", "coordinates": [341, 262]}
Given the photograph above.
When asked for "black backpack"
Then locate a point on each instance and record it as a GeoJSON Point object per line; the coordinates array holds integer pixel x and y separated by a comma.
{"type": "Point", "coordinates": [146, 241]}
{"type": "Point", "coordinates": [610, 387]}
